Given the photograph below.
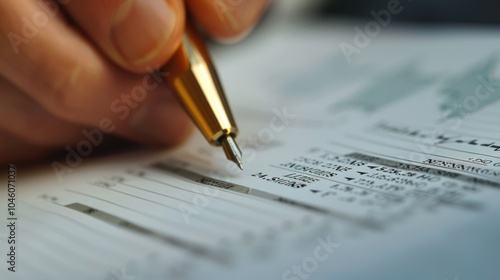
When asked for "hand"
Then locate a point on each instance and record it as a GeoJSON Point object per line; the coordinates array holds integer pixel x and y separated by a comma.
{"type": "Point", "coordinates": [73, 70]}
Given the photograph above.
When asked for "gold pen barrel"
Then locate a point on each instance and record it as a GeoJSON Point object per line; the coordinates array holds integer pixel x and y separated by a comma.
{"type": "Point", "coordinates": [192, 77]}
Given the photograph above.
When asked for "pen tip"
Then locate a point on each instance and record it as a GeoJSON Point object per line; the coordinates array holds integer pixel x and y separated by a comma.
{"type": "Point", "coordinates": [233, 152]}
{"type": "Point", "coordinates": [240, 165]}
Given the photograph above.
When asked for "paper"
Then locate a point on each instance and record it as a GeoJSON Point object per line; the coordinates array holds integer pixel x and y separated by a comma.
{"type": "Point", "coordinates": [384, 168]}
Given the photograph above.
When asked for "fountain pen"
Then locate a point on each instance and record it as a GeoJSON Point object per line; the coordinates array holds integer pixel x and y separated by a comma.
{"type": "Point", "coordinates": [194, 80]}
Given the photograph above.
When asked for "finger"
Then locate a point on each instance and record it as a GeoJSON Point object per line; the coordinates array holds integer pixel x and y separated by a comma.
{"type": "Point", "coordinates": [52, 63]}
{"type": "Point", "coordinates": [15, 151]}
{"type": "Point", "coordinates": [227, 19]}
{"type": "Point", "coordinates": [30, 133]}
{"type": "Point", "coordinates": [27, 121]}
{"type": "Point", "coordinates": [133, 33]}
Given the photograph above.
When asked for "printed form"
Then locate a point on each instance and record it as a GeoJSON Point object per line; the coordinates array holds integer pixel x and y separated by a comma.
{"type": "Point", "coordinates": [387, 167]}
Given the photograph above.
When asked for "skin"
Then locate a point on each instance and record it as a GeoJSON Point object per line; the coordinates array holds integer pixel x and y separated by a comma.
{"type": "Point", "coordinates": [62, 68]}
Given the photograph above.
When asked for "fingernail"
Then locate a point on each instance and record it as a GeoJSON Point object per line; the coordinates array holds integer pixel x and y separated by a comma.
{"type": "Point", "coordinates": [163, 123]}
{"type": "Point", "coordinates": [141, 29]}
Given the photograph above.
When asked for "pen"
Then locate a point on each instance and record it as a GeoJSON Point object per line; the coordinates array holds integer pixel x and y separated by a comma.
{"type": "Point", "coordinates": [195, 82]}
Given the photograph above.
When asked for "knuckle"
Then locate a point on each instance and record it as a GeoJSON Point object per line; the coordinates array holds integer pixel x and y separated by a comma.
{"type": "Point", "coordinates": [64, 93]}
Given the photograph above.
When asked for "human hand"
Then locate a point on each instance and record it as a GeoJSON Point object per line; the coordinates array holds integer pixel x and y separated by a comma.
{"type": "Point", "coordinates": [72, 69]}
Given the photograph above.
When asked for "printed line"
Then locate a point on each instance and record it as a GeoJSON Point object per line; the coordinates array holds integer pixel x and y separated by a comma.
{"type": "Point", "coordinates": [214, 210]}
{"type": "Point", "coordinates": [266, 211]}
{"type": "Point", "coordinates": [173, 208]}
{"type": "Point", "coordinates": [492, 183]}
{"type": "Point", "coordinates": [335, 181]}
{"type": "Point", "coordinates": [404, 139]}
{"type": "Point", "coordinates": [403, 149]}
{"type": "Point", "coordinates": [177, 224]}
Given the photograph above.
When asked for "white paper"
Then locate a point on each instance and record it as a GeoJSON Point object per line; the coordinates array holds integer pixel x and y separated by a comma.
{"type": "Point", "coordinates": [352, 171]}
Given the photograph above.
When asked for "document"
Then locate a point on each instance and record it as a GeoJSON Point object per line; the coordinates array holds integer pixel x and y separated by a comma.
{"type": "Point", "coordinates": [387, 167]}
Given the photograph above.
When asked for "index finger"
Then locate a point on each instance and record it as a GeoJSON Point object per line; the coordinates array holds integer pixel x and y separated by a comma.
{"type": "Point", "coordinates": [227, 19]}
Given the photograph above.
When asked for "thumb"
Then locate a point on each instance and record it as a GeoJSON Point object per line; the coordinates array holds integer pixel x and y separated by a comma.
{"type": "Point", "coordinates": [134, 34]}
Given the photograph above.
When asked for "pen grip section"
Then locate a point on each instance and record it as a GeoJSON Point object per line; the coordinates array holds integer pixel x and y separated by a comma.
{"type": "Point", "coordinates": [195, 82]}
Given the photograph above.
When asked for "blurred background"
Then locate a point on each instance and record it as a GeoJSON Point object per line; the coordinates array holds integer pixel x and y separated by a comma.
{"type": "Point", "coordinates": [421, 11]}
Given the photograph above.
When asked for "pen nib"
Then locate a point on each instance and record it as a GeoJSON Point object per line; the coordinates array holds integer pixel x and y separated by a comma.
{"type": "Point", "coordinates": [233, 152]}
